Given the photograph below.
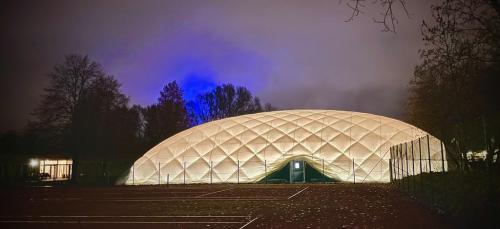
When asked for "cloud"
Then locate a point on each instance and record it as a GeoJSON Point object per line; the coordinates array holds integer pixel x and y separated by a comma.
{"type": "Point", "coordinates": [294, 54]}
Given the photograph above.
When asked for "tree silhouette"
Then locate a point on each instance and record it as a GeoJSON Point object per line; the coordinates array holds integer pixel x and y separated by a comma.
{"type": "Point", "coordinates": [225, 101]}
{"type": "Point", "coordinates": [104, 125]}
{"type": "Point", "coordinates": [447, 99]}
{"type": "Point", "coordinates": [167, 117]}
{"type": "Point", "coordinates": [84, 114]}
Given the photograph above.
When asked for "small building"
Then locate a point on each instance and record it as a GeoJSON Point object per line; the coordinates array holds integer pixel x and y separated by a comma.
{"type": "Point", "coordinates": [52, 168]}
{"type": "Point", "coordinates": [28, 168]}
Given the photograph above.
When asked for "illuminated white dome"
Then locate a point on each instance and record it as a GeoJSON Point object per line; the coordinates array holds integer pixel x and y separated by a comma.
{"type": "Point", "coordinates": [246, 148]}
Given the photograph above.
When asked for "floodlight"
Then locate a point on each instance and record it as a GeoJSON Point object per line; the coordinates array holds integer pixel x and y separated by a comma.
{"type": "Point", "coordinates": [33, 163]}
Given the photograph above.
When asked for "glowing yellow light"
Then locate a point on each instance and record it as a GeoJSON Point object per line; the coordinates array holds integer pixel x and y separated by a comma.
{"type": "Point", "coordinates": [247, 148]}
{"type": "Point", "coordinates": [33, 162]}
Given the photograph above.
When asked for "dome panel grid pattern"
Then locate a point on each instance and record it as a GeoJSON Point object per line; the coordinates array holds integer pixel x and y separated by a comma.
{"type": "Point", "coordinates": [247, 148]}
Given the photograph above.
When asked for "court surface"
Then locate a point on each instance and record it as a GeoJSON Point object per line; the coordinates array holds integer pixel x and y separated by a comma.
{"type": "Point", "coordinates": [215, 206]}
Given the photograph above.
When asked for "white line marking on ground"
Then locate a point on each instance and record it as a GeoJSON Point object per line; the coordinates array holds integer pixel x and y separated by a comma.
{"type": "Point", "coordinates": [136, 192]}
{"type": "Point", "coordinates": [180, 198]}
{"type": "Point", "coordinates": [210, 193]}
{"type": "Point", "coordinates": [117, 222]}
{"type": "Point", "coordinates": [249, 222]}
{"type": "Point", "coordinates": [192, 199]}
{"type": "Point", "coordinates": [128, 216]}
{"type": "Point", "coordinates": [290, 197]}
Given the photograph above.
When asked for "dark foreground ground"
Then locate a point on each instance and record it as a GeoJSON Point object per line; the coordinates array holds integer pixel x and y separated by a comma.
{"type": "Point", "coordinates": [215, 206]}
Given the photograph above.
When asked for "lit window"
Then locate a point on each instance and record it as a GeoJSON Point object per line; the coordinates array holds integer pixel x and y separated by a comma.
{"type": "Point", "coordinates": [297, 165]}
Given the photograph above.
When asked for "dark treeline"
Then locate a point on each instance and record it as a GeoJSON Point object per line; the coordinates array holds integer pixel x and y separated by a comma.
{"type": "Point", "coordinates": [454, 92]}
{"type": "Point", "coordinates": [85, 115]}
{"type": "Point", "coordinates": [454, 95]}
{"type": "Point", "coordinates": [225, 101]}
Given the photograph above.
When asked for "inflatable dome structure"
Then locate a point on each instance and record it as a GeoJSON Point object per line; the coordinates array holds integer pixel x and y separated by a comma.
{"type": "Point", "coordinates": [342, 145]}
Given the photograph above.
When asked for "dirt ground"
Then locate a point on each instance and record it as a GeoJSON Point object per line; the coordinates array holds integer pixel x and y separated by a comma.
{"type": "Point", "coordinates": [215, 206]}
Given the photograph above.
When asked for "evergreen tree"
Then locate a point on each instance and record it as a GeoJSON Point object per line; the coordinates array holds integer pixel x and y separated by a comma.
{"type": "Point", "coordinates": [166, 117]}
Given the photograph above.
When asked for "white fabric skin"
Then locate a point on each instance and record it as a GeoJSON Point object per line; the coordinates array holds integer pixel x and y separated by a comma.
{"type": "Point", "coordinates": [343, 145]}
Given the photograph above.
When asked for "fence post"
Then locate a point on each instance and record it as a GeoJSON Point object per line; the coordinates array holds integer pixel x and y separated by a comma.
{"type": "Point", "coordinates": [443, 171]}
{"type": "Point", "coordinates": [168, 179]}
{"type": "Point", "coordinates": [390, 169]}
{"type": "Point", "coordinates": [407, 167]}
{"type": "Point", "coordinates": [353, 171]}
{"type": "Point", "coordinates": [159, 173]}
{"type": "Point", "coordinates": [429, 153]}
{"type": "Point", "coordinates": [265, 170]}
{"type": "Point", "coordinates": [103, 169]}
{"type": "Point", "coordinates": [324, 176]}
{"type": "Point", "coordinates": [396, 151]}
{"type": "Point", "coordinates": [420, 161]}
{"type": "Point", "coordinates": [396, 165]}
{"type": "Point", "coordinates": [391, 162]}
{"type": "Point", "coordinates": [390, 166]}
{"type": "Point", "coordinates": [238, 171]}
{"type": "Point", "coordinates": [394, 175]}
{"type": "Point", "coordinates": [211, 170]}
{"type": "Point", "coordinates": [402, 165]}
{"type": "Point", "coordinates": [413, 168]}
{"type": "Point", "coordinates": [401, 169]}
{"type": "Point", "coordinates": [430, 168]}
{"type": "Point", "coordinates": [304, 164]}
{"type": "Point", "coordinates": [442, 158]}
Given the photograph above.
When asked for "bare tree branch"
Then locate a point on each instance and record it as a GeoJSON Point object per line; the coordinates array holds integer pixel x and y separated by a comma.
{"type": "Point", "coordinates": [388, 18]}
{"type": "Point", "coordinates": [355, 9]}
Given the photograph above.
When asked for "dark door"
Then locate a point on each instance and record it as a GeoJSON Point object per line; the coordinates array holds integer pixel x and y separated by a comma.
{"type": "Point", "coordinates": [297, 171]}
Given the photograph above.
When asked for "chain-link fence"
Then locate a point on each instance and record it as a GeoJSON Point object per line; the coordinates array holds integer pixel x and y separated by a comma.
{"type": "Point", "coordinates": [413, 165]}
{"type": "Point", "coordinates": [451, 186]}
{"type": "Point", "coordinates": [191, 170]}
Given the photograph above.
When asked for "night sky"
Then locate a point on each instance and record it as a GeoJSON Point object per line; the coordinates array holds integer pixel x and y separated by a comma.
{"type": "Point", "coordinates": [293, 54]}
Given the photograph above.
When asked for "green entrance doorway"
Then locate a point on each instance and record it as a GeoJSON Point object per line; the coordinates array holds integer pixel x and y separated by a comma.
{"type": "Point", "coordinates": [296, 171]}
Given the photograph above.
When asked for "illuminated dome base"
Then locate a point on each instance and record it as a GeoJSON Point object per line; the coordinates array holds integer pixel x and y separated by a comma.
{"type": "Point", "coordinates": [344, 146]}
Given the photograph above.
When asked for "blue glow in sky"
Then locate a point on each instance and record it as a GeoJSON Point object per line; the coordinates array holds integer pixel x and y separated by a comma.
{"type": "Point", "coordinates": [195, 84]}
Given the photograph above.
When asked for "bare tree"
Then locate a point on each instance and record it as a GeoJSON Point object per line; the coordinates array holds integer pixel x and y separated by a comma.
{"type": "Point", "coordinates": [225, 101]}
{"type": "Point", "coordinates": [84, 114]}
{"type": "Point", "coordinates": [387, 18]}
{"type": "Point", "coordinates": [70, 82]}
{"type": "Point", "coordinates": [447, 93]}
